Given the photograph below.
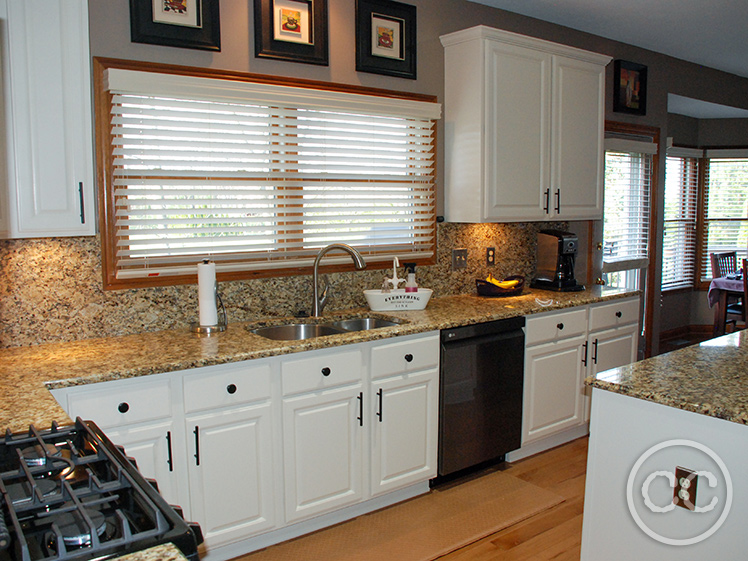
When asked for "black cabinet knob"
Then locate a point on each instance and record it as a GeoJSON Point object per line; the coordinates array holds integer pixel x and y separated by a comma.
{"type": "Point", "coordinates": [123, 407]}
{"type": "Point", "coordinates": [560, 325]}
{"type": "Point", "coordinates": [409, 358]}
{"type": "Point", "coordinates": [618, 314]}
{"type": "Point", "coordinates": [325, 371]}
{"type": "Point", "coordinates": [231, 388]}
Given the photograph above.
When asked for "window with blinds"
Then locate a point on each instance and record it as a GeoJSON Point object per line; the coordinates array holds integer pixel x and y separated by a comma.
{"type": "Point", "coordinates": [726, 205]}
{"type": "Point", "coordinates": [681, 200]}
{"type": "Point", "coordinates": [258, 177]}
{"type": "Point", "coordinates": [628, 176]}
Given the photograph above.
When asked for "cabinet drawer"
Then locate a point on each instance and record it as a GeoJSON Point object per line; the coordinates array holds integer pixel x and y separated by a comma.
{"type": "Point", "coordinates": [123, 402]}
{"type": "Point", "coordinates": [620, 312]}
{"type": "Point", "coordinates": [405, 355]}
{"type": "Point", "coordinates": [555, 326]}
{"type": "Point", "coordinates": [226, 385]}
{"type": "Point", "coordinates": [324, 369]}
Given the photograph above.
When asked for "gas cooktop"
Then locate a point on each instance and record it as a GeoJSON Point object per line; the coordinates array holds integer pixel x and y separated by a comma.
{"type": "Point", "coordinates": [69, 493]}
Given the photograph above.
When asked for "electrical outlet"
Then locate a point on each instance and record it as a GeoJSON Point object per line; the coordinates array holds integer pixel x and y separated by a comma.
{"type": "Point", "coordinates": [684, 493]}
{"type": "Point", "coordinates": [459, 259]}
{"type": "Point", "coordinates": [490, 256]}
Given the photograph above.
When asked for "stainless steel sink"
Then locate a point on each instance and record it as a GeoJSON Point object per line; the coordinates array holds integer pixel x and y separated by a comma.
{"type": "Point", "coordinates": [296, 331]}
{"type": "Point", "coordinates": [363, 324]}
{"type": "Point", "coordinates": [299, 331]}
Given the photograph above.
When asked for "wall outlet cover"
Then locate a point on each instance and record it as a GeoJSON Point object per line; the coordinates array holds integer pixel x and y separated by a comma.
{"type": "Point", "coordinates": [490, 256]}
{"type": "Point", "coordinates": [459, 259]}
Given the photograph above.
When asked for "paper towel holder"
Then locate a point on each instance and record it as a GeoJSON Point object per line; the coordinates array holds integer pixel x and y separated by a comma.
{"type": "Point", "coordinates": [203, 330]}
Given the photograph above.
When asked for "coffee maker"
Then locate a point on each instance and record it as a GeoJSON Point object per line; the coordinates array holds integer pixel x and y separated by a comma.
{"type": "Point", "coordinates": [557, 251]}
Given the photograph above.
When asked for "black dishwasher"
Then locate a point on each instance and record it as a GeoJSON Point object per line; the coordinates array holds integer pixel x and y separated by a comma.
{"type": "Point", "coordinates": [480, 393]}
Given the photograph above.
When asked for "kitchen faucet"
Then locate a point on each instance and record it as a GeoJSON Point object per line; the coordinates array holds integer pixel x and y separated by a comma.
{"type": "Point", "coordinates": [318, 303]}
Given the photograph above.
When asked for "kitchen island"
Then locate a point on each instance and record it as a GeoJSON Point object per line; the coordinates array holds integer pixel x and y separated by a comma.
{"type": "Point", "coordinates": [685, 409]}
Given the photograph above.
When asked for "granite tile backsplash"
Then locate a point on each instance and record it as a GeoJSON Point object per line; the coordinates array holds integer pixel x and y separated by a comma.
{"type": "Point", "coordinates": [51, 289]}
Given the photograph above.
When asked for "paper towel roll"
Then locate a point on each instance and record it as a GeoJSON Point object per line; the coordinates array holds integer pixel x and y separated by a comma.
{"type": "Point", "coordinates": [206, 293]}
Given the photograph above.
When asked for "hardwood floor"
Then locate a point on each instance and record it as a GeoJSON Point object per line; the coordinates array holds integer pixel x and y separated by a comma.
{"type": "Point", "coordinates": [553, 534]}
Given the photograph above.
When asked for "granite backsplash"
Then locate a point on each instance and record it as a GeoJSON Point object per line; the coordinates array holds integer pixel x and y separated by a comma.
{"type": "Point", "coordinates": [51, 289]}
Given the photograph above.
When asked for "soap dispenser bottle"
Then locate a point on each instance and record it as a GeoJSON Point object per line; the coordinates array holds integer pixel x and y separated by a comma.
{"type": "Point", "coordinates": [410, 281]}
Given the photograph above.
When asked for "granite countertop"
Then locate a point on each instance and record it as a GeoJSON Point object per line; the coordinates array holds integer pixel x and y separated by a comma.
{"type": "Point", "coordinates": [28, 373]}
{"type": "Point", "coordinates": [710, 378]}
{"type": "Point", "coordinates": [166, 552]}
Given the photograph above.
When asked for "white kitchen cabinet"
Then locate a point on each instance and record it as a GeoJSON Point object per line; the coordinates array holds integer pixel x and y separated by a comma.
{"type": "Point", "coordinates": [139, 415]}
{"type": "Point", "coordinates": [524, 121]}
{"type": "Point", "coordinates": [323, 451]}
{"type": "Point", "coordinates": [554, 373]}
{"type": "Point", "coordinates": [404, 406]}
{"type": "Point", "coordinates": [562, 349]}
{"type": "Point", "coordinates": [264, 450]}
{"type": "Point", "coordinates": [47, 144]}
{"type": "Point", "coordinates": [230, 468]}
{"type": "Point", "coordinates": [229, 450]}
{"type": "Point", "coordinates": [405, 430]}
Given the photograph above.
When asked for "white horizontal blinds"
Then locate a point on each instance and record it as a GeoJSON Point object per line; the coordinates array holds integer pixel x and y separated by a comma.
{"type": "Point", "coordinates": [260, 186]}
{"type": "Point", "coordinates": [726, 223]}
{"type": "Point", "coordinates": [679, 241]}
{"type": "Point", "coordinates": [627, 209]}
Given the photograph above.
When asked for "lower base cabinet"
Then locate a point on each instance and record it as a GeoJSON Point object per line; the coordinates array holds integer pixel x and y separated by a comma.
{"type": "Point", "coordinates": [253, 447]}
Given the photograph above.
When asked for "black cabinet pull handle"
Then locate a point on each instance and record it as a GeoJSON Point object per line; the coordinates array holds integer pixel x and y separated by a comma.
{"type": "Point", "coordinates": [83, 207]}
{"type": "Point", "coordinates": [379, 413]}
{"type": "Point", "coordinates": [168, 451]}
{"type": "Point", "coordinates": [231, 388]}
{"type": "Point", "coordinates": [618, 314]}
{"type": "Point", "coordinates": [594, 352]}
{"type": "Point", "coordinates": [547, 205]}
{"type": "Point", "coordinates": [560, 325]}
{"type": "Point", "coordinates": [360, 409]}
{"type": "Point", "coordinates": [409, 358]}
{"type": "Point", "coordinates": [584, 357]}
{"type": "Point", "coordinates": [123, 407]}
{"type": "Point", "coordinates": [326, 371]}
{"type": "Point", "coordinates": [197, 445]}
{"type": "Point", "coordinates": [558, 201]}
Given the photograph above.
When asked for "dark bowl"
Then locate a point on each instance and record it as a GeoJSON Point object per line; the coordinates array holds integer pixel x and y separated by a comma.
{"type": "Point", "coordinates": [486, 288]}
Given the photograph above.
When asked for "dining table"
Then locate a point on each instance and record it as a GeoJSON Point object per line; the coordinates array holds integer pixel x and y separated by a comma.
{"type": "Point", "coordinates": [720, 290]}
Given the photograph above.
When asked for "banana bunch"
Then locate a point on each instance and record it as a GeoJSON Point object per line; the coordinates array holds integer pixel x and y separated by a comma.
{"type": "Point", "coordinates": [505, 284]}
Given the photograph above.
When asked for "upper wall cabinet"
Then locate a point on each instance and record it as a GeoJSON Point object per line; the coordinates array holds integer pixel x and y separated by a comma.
{"type": "Point", "coordinates": [524, 121]}
{"type": "Point", "coordinates": [46, 147]}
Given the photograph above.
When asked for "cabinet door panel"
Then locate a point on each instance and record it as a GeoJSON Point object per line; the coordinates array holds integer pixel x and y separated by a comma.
{"type": "Point", "coordinates": [553, 396]}
{"type": "Point", "coordinates": [578, 138]}
{"type": "Point", "coordinates": [153, 447]}
{"type": "Point", "coordinates": [518, 131]}
{"type": "Point", "coordinates": [404, 430]}
{"type": "Point", "coordinates": [49, 75]}
{"type": "Point", "coordinates": [231, 489]}
{"type": "Point", "coordinates": [323, 452]}
{"type": "Point", "coordinates": [613, 348]}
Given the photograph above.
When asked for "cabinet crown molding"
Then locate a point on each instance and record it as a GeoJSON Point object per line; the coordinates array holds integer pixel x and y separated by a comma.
{"type": "Point", "coordinates": [491, 33]}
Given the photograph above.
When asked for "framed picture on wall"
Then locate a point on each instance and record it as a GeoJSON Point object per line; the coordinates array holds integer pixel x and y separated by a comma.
{"type": "Point", "coordinates": [630, 87]}
{"type": "Point", "coordinates": [386, 38]}
{"type": "Point", "coordinates": [191, 24]}
{"type": "Point", "coordinates": [292, 30]}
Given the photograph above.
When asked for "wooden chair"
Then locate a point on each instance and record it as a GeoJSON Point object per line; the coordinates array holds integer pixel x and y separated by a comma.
{"type": "Point", "coordinates": [724, 263]}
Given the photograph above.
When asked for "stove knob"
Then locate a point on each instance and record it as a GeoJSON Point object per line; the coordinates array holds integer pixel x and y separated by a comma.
{"type": "Point", "coordinates": [123, 407]}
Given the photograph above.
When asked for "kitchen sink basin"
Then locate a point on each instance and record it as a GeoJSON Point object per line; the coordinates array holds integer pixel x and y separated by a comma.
{"type": "Point", "coordinates": [299, 331]}
{"type": "Point", "coordinates": [363, 324]}
{"type": "Point", "coordinates": [296, 331]}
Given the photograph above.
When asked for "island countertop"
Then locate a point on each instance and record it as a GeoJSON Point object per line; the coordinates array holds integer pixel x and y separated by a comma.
{"type": "Point", "coordinates": [710, 378]}
{"type": "Point", "coordinates": [28, 373]}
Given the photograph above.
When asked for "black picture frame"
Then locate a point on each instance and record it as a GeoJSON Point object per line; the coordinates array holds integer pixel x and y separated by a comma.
{"type": "Point", "coordinates": [629, 87]}
{"type": "Point", "coordinates": [203, 31]}
{"type": "Point", "coordinates": [312, 49]}
{"type": "Point", "coordinates": [401, 61]}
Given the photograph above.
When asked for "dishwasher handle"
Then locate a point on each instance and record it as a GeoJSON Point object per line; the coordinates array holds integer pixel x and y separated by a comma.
{"type": "Point", "coordinates": [482, 329]}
